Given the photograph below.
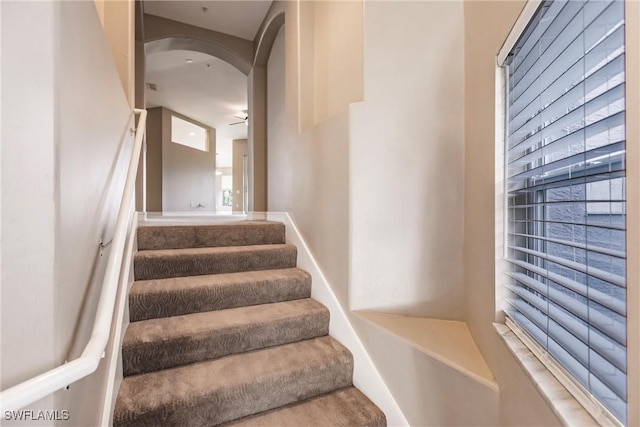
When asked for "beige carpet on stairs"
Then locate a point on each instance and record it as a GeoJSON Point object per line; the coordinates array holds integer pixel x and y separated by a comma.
{"type": "Point", "coordinates": [224, 332]}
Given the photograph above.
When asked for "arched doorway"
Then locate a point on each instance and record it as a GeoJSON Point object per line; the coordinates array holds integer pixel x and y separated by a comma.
{"type": "Point", "coordinates": [162, 34]}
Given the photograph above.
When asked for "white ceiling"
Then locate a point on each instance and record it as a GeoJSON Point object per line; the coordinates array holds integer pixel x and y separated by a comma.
{"type": "Point", "coordinates": [208, 90]}
{"type": "Point", "coordinates": [239, 18]}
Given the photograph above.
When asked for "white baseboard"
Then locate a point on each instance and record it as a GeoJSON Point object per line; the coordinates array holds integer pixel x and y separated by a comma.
{"type": "Point", "coordinates": [365, 376]}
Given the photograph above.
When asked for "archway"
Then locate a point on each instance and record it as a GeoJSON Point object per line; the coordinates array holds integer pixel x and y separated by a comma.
{"type": "Point", "coordinates": [162, 34]}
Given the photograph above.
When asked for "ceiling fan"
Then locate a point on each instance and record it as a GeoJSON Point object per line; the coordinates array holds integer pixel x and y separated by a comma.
{"type": "Point", "coordinates": [244, 119]}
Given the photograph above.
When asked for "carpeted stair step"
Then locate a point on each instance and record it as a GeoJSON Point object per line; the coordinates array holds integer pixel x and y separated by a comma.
{"type": "Point", "coordinates": [164, 263]}
{"type": "Point", "coordinates": [240, 233]}
{"type": "Point", "coordinates": [168, 342]}
{"type": "Point", "coordinates": [222, 390]}
{"type": "Point", "coordinates": [345, 407]}
{"type": "Point", "coordinates": [150, 299]}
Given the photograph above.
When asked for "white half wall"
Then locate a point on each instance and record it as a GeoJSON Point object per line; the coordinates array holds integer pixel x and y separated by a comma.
{"type": "Point", "coordinates": [365, 375]}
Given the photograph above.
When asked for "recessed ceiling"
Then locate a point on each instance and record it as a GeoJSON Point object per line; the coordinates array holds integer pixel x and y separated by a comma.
{"type": "Point", "coordinates": [206, 89]}
{"type": "Point", "coordinates": [239, 18]}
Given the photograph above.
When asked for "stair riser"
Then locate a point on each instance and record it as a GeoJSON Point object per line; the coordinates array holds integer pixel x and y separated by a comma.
{"type": "Point", "coordinates": [240, 401]}
{"type": "Point", "coordinates": [180, 237]}
{"type": "Point", "coordinates": [153, 356]}
{"type": "Point", "coordinates": [181, 265]}
{"type": "Point", "coordinates": [169, 304]}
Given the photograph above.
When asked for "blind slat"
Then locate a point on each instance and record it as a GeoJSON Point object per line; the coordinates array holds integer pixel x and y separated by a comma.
{"type": "Point", "coordinates": [582, 268]}
{"type": "Point", "coordinates": [565, 187]}
{"type": "Point", "coordinates": [565, 50]}
{"type": "Point", "coordinates": [561, 54]}
{"type": "Point", "coordinates": [585, 160]}
{"type": "Point", "coordinates": [574, 306]}
{"type": "Point", "coordinates": [605, 65]}
{"type": "Point", "coordinates": [542, 221]}
{"type": "Point", "coordinates": [560, 340]}
{"type": "Point", "coordinates": [600, 297]}
{"type": "Point", "coordinates": [608, 325]}
{"type": "Point", "coordinates": [584, 246]}
{"type": "Point", "coordinates": [613, 97]}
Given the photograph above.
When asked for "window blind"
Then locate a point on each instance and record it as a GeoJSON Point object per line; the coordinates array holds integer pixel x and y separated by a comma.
{"type": "Point", "coordinates": [565, 170]}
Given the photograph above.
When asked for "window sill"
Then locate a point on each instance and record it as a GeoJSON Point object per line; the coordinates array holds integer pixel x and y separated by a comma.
{"type": "Point", "coordinates": [564, 405]}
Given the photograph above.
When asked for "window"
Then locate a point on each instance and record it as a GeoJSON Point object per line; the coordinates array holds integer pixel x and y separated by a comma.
{"type": "Point", "coordinates": [565, 179]}
{"type": "Point", "coordinates": [189, 134]}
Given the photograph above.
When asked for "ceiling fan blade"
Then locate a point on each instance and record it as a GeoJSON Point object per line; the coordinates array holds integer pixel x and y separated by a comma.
{"type": "Point", "coordinates": [236, 123]}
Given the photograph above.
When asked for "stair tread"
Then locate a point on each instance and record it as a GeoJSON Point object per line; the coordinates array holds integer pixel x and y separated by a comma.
{"type": "Point", "coordinates": [162, 343]}
{"type": "Point", "coordinates": [345, 407]}
{"type": "Point", "coordinates": [163, 263]}
{"type": "Point", "coordinates": [182, 295]}
{"type": "Point", "coordinates": [234, 386]}
{"type": "Point", "coordinates": [190, 325]}
{"type": "Point", "coordinates": [234, 233]}
{"type": "Point", "coordinates": [188, 252]}
{"type": "Point", "coordinates": [173, 284]}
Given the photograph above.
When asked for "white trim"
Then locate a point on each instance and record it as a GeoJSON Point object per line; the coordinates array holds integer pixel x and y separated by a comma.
{"type": "Point", "coordinates": [632, 84]}
{"type": "Point", "coordinates": [365, 375]}
{"type": "Point", "coordinates": [501, 205]}
{"type": "Point", "coordinates": [516, 31]}
{"type": "Point", "coordinates": [599, 413]}
{"type": "Point", "coordinates": [568, 410]}
{"type": "Point", "coordinates": [115, 357]}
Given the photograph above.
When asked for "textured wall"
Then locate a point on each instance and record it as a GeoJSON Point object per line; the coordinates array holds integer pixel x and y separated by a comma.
{"type": "Point", "coordinates": [406, 162]}
{"type": "Point", "coordinates": [28, 192]}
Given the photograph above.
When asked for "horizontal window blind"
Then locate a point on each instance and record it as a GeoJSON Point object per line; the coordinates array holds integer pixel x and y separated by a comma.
{"type": "Point", "coordinates": [565, 170]}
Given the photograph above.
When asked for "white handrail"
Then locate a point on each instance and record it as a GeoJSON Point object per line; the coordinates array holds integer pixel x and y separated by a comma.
{"type": "Point", "coordinates": [51, 381]}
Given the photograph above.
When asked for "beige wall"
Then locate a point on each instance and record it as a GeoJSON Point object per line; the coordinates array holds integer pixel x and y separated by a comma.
{"type": "Point", "coordinates": [256, 141]}
{"type": "Point", "coordinates": [28, 192]}
{"type": "Point", "coordinates": [162, 34]}
{"type": "Point", "coordinates": [62, 198]}
{"type": "Point", "coordinates": [117, 18]}
{"type": "Point", "coordinates": [337, 56]}
{"type": "Point", "coordinates": [308, 171]}
{"type": "Point", "coordinates": [154, 136]}
{"type": "Point", "coordinates": [406, 162]}
{"type": "Point", "coordinates": [188, 175]}
{"type": "Point", "coordinates": [279, 179]}
{"type": "Point", "coordinates": [486, 27]}
{"type": "Point", "coordinates": [177, 176]}
{"type": "Point", "coordinates": [239, 151]}
{"type": "Point", "coordinates": [100, 8]}
{"type": "Point", "coordinates": [330, 40]}
{"type": "Point", "coordinates": [330, 177]}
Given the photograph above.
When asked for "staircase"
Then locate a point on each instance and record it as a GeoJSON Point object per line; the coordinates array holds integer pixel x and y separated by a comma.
{"type": "Point", "coordinates": [223, 332]}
